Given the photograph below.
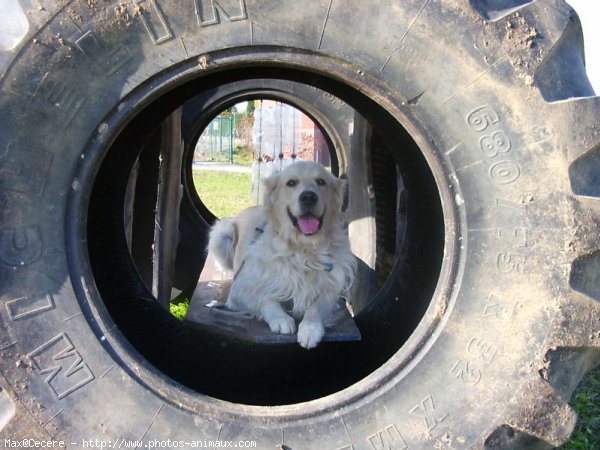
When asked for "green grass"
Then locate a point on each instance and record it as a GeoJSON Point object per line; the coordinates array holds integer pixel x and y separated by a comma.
{"type": "Point", "coordinates": [179, 308]}
{"type": "Point", "coordinates": [586, 402]}
{"type": "Point", "coordinates": [224, 193]}
{"type": "Point", "coordinates": [243, 156]}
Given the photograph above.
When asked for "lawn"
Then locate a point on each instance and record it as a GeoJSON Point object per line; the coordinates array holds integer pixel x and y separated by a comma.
{"type": "Point", "coordinates": [226, 193]}
{"type": "Point", "coordinates": [586, 402]}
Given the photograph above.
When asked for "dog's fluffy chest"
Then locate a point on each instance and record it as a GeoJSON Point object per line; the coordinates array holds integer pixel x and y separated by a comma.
{"type": "Point", "coordinates": [306, 265]}
{"type": "Point", "coordinates": [300, 274]}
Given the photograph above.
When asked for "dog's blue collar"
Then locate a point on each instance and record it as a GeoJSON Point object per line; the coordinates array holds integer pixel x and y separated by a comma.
{"type": "Point", "coordinates": [328, 267]}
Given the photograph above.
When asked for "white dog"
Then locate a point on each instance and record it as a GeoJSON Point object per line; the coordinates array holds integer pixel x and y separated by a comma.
{"type": "Point", "coordinates": [291, 257]}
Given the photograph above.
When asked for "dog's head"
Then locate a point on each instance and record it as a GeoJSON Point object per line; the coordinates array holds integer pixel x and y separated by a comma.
{"type": "Point", "coordinates": [304, 200]}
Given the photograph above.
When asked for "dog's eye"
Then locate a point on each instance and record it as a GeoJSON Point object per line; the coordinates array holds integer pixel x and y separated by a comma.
{"type": "Point", "coordinates": [291, 183]}
{"type": "Point", "coordinates": [321, 181]}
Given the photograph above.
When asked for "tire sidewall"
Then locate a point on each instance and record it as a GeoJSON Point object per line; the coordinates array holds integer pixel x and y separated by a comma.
{"type": "Point", "coordinates": [465, 343]}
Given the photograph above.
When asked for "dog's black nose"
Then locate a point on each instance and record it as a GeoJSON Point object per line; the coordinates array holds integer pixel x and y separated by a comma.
{"type": "Point", "coordinates": [308, 198]}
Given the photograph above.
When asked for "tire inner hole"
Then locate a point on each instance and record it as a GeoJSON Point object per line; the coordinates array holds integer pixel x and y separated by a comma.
{"type": "Point", "coordinates": [392, 195]}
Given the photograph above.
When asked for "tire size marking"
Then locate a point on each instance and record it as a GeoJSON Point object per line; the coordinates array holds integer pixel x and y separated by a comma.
{"type": "Point", "coordinates": [469, 372]}
{"type": "Point", "coordinates": [512, 228]}
{"type": "Point", "coordinates": [482, 350]}
{"type": "Point", "coordinates": [24, 170]}
{"type": "Point", "coordinates": [60, 360]}
{"type": "Point", "coordinates": [504, 172]}
{"type": "Point", "coordinates": [465, 371]}
{"type": "Point", "coordinates": [481, 118]}
{"type": "Point", "coordinates": [494, 144]}
{"type": "Point", "coordinates": [507, 263]}
{"type": "Point", "coordinates": [20, 246]}
{"type": "Point", "coordinates": [389, 437]}
{"type": "Point", "coordinates": [25, 307]}
{"type": "Point", "coordinates": [497, 308]}
{"type": "Point", "coordinates": [427, 410]}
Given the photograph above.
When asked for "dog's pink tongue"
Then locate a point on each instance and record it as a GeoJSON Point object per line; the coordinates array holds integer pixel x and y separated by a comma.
{"type": "Point", "coordinates": [308, 224]}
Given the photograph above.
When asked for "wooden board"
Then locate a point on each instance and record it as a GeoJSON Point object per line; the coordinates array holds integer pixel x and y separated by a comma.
{"type": "Point", "coordinates": [207, 311]}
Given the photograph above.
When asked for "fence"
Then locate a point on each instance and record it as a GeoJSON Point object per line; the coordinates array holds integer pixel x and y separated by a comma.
{"type": "Point", "coordinates": [217, 141]}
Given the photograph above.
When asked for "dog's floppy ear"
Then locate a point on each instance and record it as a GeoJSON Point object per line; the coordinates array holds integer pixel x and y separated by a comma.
{"type": "Point", "coordinates": [341, 192]}
{"type": "Point", "coordinates": [270, 185]}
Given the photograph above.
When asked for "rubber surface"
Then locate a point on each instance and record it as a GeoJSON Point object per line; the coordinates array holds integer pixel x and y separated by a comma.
{"type": "Point", "coordinates": [505, 122]}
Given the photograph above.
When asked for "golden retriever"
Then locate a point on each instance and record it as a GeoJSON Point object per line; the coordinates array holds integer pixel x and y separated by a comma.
{"type": "Point", "coordinates": [291, 256]}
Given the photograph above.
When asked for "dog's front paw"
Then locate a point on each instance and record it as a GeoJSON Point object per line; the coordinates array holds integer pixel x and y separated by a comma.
{"type": "Point", "coordinates": [282, 324]}
{"type": "Point", "coordinates": [310, 333]}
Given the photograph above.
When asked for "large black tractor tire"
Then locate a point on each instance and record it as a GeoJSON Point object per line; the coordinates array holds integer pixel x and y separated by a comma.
{"type": "Point", "coordinates": [483, 167]}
